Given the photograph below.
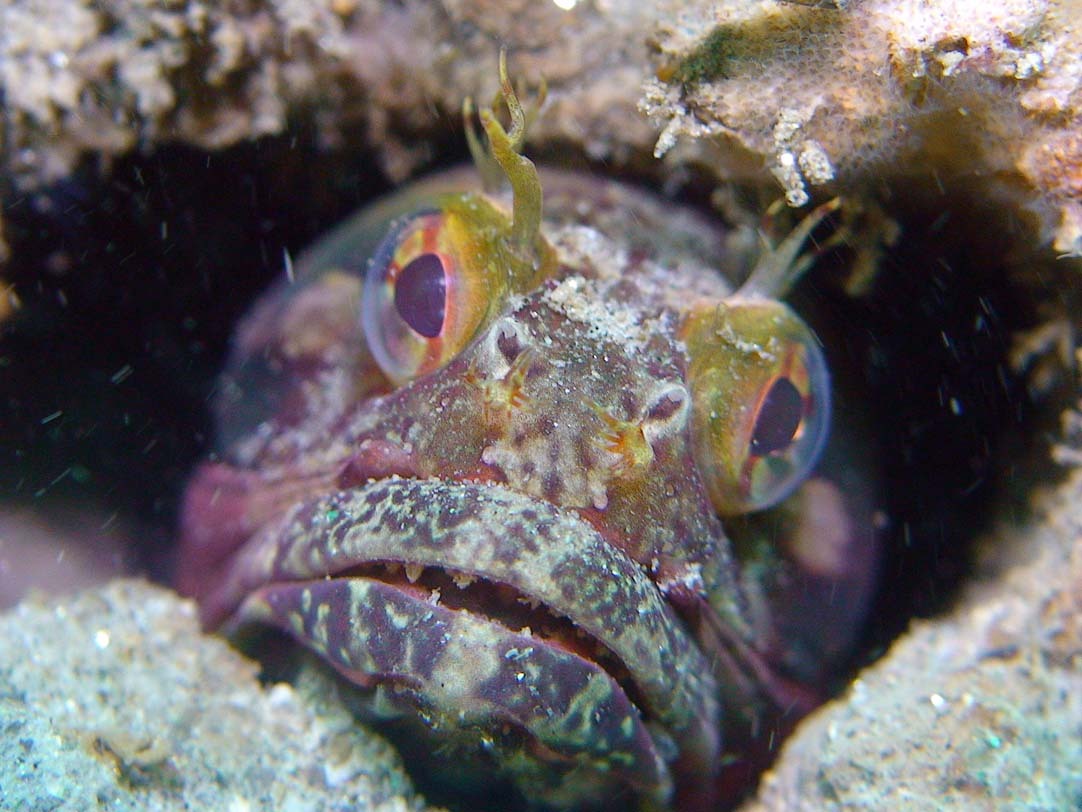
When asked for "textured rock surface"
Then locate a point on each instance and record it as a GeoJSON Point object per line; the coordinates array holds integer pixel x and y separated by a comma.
{"type": "Point", "coordinates": [949, 95]}
{"type": "Point", "coordinates": [113, 699]}
{"type": "Point", "coordinates": [885, 90]}
{"type": "Point", "coordinates": [978, 710]}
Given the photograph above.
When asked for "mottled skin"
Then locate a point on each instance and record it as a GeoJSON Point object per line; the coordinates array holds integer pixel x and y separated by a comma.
{"type": "Point", "coordinates": [518, 548]}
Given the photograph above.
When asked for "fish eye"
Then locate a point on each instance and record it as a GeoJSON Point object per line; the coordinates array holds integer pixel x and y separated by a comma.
{"type": "Point", "coordinates": [760, 401]}
{"type": "Point", "coordinates": [421, 303]}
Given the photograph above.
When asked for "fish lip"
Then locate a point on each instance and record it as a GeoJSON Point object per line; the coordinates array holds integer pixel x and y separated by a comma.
{"type": "Point", "coordinates": [546, 553]}
{"type": "Point", "coordinates": [464, 672]}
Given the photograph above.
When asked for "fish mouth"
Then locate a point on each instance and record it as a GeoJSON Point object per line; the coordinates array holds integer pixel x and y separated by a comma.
{"type": "Point", "coordinates": [501, 604]}
{"type": "Point", "coordinates": [486, 608]}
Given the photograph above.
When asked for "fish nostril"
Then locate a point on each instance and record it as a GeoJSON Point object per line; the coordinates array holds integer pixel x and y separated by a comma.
{"type": "Point", "coordinates": [508, 341]}
{"type": "Point", "coordinates": [668, 403]}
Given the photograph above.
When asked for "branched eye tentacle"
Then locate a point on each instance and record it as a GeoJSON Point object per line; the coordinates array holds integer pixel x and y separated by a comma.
{"type": "Point", "coordinates": [492, 176]}
{"type": "Point", "coordinates": [504, 156]}
{"type": "Point", "coordinates": [780, 267]}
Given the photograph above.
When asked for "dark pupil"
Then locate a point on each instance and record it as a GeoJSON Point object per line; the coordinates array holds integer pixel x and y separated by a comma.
{"type": "Point", "coordinates": [420, 295]}
{"type": "Point", "coordinates": [778, 419]}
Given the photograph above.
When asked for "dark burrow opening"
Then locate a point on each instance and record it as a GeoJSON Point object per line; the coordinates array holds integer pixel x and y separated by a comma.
{"type": "Point", "coordinates": [131, 278]}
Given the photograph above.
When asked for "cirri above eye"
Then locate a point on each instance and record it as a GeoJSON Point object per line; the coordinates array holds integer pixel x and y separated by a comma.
{"type": "Point", "coordinates": [761, 395]}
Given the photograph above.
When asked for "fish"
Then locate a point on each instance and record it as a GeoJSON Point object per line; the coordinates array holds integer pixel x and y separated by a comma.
{"type": "Point", "coordinates": [543, 486]}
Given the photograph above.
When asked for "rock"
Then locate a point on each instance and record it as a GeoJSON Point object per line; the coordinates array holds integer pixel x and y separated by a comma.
{"type": "Point", "coordinates": [978, 710]}
{"type": "Point", "coordinates": [115, 699]}
{"type": "Point", "coordinates": [829, 97]}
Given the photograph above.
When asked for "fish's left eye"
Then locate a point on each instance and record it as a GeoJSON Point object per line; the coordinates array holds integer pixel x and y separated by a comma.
{"type": "Point", "coordinates": [422, 301]}
{"type": "Point", "coordinates": [760, 401]}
